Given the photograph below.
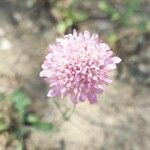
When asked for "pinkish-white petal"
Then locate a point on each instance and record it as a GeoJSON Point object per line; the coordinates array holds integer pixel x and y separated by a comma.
{"type": "Point", "coordinates": [104, 46]}
{"type": "Point", "coordinates": [75, 33]}
{"type": "Point", "coordinates": [108, 81]}
{"type": "Point", "coordinates": [44, 65]}
{"type": "Point", "coordinates": [116, 60]}
{"type": "Point", "coordinates": [111, 67]}
{"type": "Point", "coordinates": [86, 34]}
{"type": "Point", "coordinates": [51, 93]}
{"type": "Point", "coordinates": [92, 97]}
{"type": "Point", "coordinates": [49, 57]}
{"type": "Point", "coordinates": [54, 91]}
{"type": "Point", "coordinates": [73, 98]}
{"type": "Point", "coordinates": [47, 73]}
{"type": "Point", "coordinates": [78, 65]}
{"type": "Point", "coordinates": [82, 96]}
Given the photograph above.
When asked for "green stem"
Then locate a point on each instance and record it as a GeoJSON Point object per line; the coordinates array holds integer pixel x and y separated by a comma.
{"type": "Point", "coordinates": [65, 114]}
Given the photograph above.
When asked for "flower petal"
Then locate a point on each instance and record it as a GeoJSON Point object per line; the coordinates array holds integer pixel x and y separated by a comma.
{"type": "Point", "coordinates": [116, 60]}
{"type": "Point", "coordinates": [82, 96]}
{"type": "Point", "coordinates": [54, 92]}
{"type": "Point", "coordinates": [111, 67]}
{"type": "Point", "coordinates": [92, 97]}
{"type": "Point", "coordinates": [46, 73]}
{"type": "Point", "coordinates": [78, 65]}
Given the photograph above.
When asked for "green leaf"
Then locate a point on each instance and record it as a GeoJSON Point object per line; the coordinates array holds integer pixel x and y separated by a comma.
{"type": "Point", "coordinates": [141, 26]}
{"type": "Point", "coordinates": [3, 126]}
{"type": "Point", "coordinates": [103, 6]}
{"type": "Point", "coordinates": [31, 119]}
{"type": "Point", "coordinates": [80, 16]}
{"type": "Point", "coordinates": [112, 38]}
{"type": "Point", "coordinates": [44, 126]}
{"type": "Point", "coordinates": [20, 100]}
{"type": "Point", "coordinates": [148, 26]}
{"type": "Point", "coordinates": [61, 27]}
{"type": "Point", "coordinates": [129, 11]}
{"type": "Point", "coordinates": [109, 10]}
{"type": "Point", "coordinates": [20, 146]}
{"type": "Point", "coordinates": [35, 122]}
{"type": "Point", "coordinates": [68, 22]}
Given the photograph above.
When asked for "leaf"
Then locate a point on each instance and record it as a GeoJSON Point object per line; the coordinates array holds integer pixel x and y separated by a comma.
{"type": "Point", "coordinates": [20, 100]}
{"type": "Point", "coordinates": [129, 11]}
{"type": "Point", "coordinates": [3, 126]}
{"type": "Point", "coordinates": [112, 38]}
{"type": "Point", "coordinates": [35, 122]}
{"type": "Point", "coordinates": [68, 22]}
{"type": "Point", "coordinates": [148, 26]}
{"type": "Point", "coordinates": [31, 118]}
{"type": "Point", "coordinates": [80, 16]}
{"type": "Point", "coordinates": [44, 126]}
{"type": "Point", "coordinates": [20, 146]}
{"type": "Point", "coordinates": [109, 10]}
{"type": "Point", "coordinates": [131, 7]}
{"type": "Point", "coordinates": [103, 6]}
{"type": "Point", "coordinates": [141, 26]}
{"type": "Point", "coordinates": [61, 27]}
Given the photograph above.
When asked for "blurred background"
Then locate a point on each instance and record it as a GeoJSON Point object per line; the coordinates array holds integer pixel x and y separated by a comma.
{"type": "Point", "coordinates": [29, 121]}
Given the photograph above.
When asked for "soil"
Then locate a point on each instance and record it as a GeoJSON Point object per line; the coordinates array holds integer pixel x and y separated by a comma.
{"type": "Point", "coordinates": [119, 121]}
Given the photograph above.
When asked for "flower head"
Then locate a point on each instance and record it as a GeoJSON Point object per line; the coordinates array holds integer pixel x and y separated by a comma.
{"type": "Point", "coordinates": [77, 65]}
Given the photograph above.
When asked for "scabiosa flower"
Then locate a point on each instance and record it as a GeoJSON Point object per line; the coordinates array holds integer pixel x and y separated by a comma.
{"type": "Point", "coordinates": [77, 66]}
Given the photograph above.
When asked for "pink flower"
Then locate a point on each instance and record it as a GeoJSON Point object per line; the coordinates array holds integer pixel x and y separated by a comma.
{"type": "Point", "coordinates": [77, 65]}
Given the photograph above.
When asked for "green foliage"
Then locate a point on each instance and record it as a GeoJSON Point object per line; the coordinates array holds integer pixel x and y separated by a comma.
{"type": "Point", "coordinates": [3, 125]}
{"type": "Point", "coordinates": [68, 16]}
{"type": "Point", "coordinates": [35, 122]}
{"type": "Point", "coordinates": [109, 10]}
{"type": "Point", "coordinates": [112, 38]}
{"type": "Point", "coordinates": [21, 102]}
{"type": "Point", "coordinates": [17, 119]}
{"type": "Point", "coordinates": [71, 16]}
{"type": "Point", "coordinates": [130, 11]}
{"type": "Point", "coordinates": [125, 16]}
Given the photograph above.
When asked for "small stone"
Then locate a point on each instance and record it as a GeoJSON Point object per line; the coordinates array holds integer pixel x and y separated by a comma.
{"type": "Point", "coordinates": [5, 44]}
